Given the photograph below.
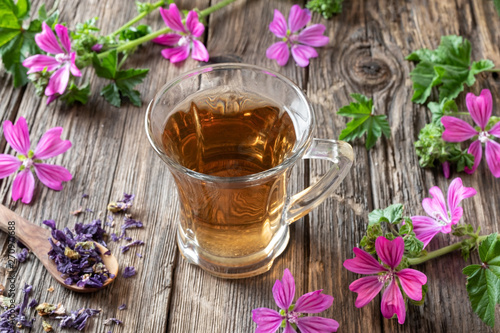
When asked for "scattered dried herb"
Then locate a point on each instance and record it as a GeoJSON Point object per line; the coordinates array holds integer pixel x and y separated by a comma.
{"type": "Point", "coordinates": [77, 319]}
{"type": "Point", "coordinates": [23, 255]}
{"type": "Point", "coordinates": [122, 307]}
{"type": "Point", "coordinates": [14, 317]}
{"type": "Point", "coordinates": [76, 256]}
{"type": "Point", "coordinates": [128, 272]}
{"type": "Point", "coordinates": [134, 243]}
{"type": "Point", "coordinates": [122, 205]}
{"type": "Point", "coordinates": [50, 289]}
{"type": "Point", "coordinates": [110, 321]}
{"type": "Point", "coordinates": [46, 326]}
{"type": "Point", "coordinates": [33, 303]}
{"type": "Point", "coordinates": [48, 309]}
{"type": "Point", "coordinates": [77, 211]}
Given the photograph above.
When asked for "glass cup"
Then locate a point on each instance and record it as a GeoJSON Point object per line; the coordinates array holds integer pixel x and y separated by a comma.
{"type": "Point", "coordinates": [235, 226]}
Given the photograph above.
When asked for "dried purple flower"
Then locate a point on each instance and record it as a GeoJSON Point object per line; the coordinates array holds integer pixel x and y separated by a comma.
{"type": "Point", "coordinates": [76, 255]}
{"type": "Point", "coordinates": [77, 319]}
{"type": "Point", "coordinates": [23, 255]}
{"type": "Point", "coordinates": [139, 255]}
{"type": "Point", "coordinates": [89, 210]}
{"type": "Point", "coordinates": [33, 303]}
{"type": "Point", "coordinates": [110, 321]}
{"type": "Point", "coordinates": [122, 205]}
{"type": "Point", "coordinates": [14, 317]}
{"type": "Point", "coordinates": [122, 307]}
{"type": "Point", "coordinates": [129, 271]}
{"type": "Point", "coordinates": [134, 243]}
{"type": "Point", "coordinates": [77, 211]}
{"type": "Point", "coordinates": [85, 195]}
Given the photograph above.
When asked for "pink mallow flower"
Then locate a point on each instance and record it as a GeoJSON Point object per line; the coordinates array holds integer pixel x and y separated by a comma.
{"type": "Point", "coordinates": [386, 275]}
{"type": "Point", "coordinates": [185, 40]}
{"type": "Point", "coordinates": [62, 62]}
{"type": "Point", "coordinates": [291, 315]}
{"type": "Point", "coordinates": [301, 43]}
{"type": "Point", "coordinates": [27, 160]}
{"type": "Point", "coordinates": [440, 218]}
{"type": "Point", "coordinates": [457, 130]}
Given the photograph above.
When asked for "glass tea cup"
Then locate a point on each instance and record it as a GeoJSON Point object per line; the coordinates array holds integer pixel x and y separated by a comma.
{"type": "Point", "coordinates": [230, 135]}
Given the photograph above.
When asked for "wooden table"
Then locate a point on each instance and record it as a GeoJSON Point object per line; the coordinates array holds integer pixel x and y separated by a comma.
{"type": "Point", "coordinates": [111, 155]}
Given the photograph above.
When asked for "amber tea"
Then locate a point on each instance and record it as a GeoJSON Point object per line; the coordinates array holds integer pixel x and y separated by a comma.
{"type": "Point", "coordinates": [230, 135]}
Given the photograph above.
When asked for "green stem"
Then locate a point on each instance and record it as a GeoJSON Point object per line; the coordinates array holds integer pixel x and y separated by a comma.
{"type": "Point", "coordinates": [493, 70]}
{"type": "Point", "coordinates": [153, 35]}
{"type": "Point", "coordinates": [138, 17]}
{"type": "Point", "coordinates": [440, 252]}
{"type": "Point", "coordinates": [53, 9]}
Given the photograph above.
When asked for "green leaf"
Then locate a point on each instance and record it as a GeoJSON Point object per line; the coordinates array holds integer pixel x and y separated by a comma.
{"type": "Point", "coordinates": [77, 94]}
{"type": "Point", "coordinates": [132, 33]}
{"type": "Point", "coordinates": [445, 108]}
{"type": "Point", "coordinates": [325, 7]}
{"type": "Point", "coordinates": [23, 9]}
{"type": "Point", "coordinates": [124, 81]}
{"type": "Point", "coordinates": [497, 6]}
{"type": "Point", "coordinates": [392, 214]}
{"type": "Point", "coordinates": [448, 67]}
{"type": "Point", "coordinates": [364, 121]}
{"type": "Point", "coordinates": [483, 281]}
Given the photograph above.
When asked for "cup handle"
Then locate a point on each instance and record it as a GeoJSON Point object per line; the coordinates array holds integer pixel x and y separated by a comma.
{"type": "Point", "coordinates": [342, 156]}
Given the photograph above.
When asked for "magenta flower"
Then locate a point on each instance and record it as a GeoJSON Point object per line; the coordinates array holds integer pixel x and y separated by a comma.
{"type": "Point", "coordinates": [291, 316]}
{"type": "Point", "coordinates": [457, 130]}
{"type": "Point", "coordinates": [62, 63]}
{"type": "Point", "coordinates": [185, 39]}
{"type": "Point", "coordinates": [391, 253]}
{"type": "Point", "coordinates": [301, 43]}
{"type": "Point", "coordinates": [27, 160]}
{"type": "Point", "coordinates": [440, 218]}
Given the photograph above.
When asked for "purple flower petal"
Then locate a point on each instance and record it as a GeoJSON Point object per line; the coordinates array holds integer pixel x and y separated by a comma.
{"type": "Point", "coordinates": [393, 303]}
{"type": "Point", "coordinates": [194, 25]}
{"type": "Point", "coordinates": [278, 26]}
{"type": "Point", "coordinates": [167, 39]}
{"type": "Point", "coordinates": [435, 207]}
{"type": "Point", "coordinates": [289, 328]}
{"type": "Point", "coordinates": [58, 81]}
{"type": "Point", "coordinates": [313, 302]}
{"type": "Point", "coordinates": [172, 18]}
{"type": "Point", "coordinates": [412, 281]}
{"type": "Point", "coordinates": [17, 135]}
{"type": "Point", "coordinates": [8, 165]}
{"type": "Point", "coordinates": [52, 176]}
{"type": "Point", "coordinates": [456, 130]}
{"type": "Point", "coordinates": [446, 169]}
{"type": "Point", "coordinates": [495, 130]}
{"type": "Point", "coordinates": [62, 33]}
{"type": "Point", "coordinates": [425, 228]}
{"type": "Point", "coordinates": [492, 153]}
{"type": "Point", "coordinates": [23, 186]}
{"type": "Point", "coordinates": [279, 51]}
{"type": "Point", "coordinates": [52, 98]}
{"type": "Point", "coordinates": [200, 52]}
{"type": "Point", "coordinates": [313, 36]}
{"type": "Point", "coordinates": [39, 62]}
{"type": "Point", "coordinates": [96, 47]}
{"type": "Point", "coordinates": [176, 54]}
{"type": "Point", "coordinates": [363, 263]}
{"type": "Point", "coordinates": [476, 150]}
{"type": "Point", "coordinates": [47, 41]}
{"type": "Point", "coordinates": [302, 53]}
{"type": "Point", "coordinates": [298, 18]}
{"type": "Point", "coordinates": [51, 145]}
{"type": "Point", "coordinates": [73, 69]}
{"type": "Point", "coordinates": [267, 320]}
{"type": "Point", "coordinates": [128, 272]}
{"type": "Point", "coordinates": [317, 325]}
{"type": "Point", "coordinates": [284, 291]}
{"type": "Point", "coordinates": [367, 288]}
{"type": "Point", "coordinates": [390, 252]}
{"type": "Point", "coordinates": [457, 192]}
{"type": "Point", "coordinates": [480, 107]}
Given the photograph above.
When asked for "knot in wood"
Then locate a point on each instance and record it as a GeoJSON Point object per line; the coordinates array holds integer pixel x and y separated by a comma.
{"type": "Point", "coordinates": [366, 71]}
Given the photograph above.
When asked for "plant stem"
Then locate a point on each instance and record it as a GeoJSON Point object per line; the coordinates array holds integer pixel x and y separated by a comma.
{"type": "Point", "coordinates": [440, 252]}
{"type": "Point", "coordinates": [493, 70]}
{"type": "Point", "coordinates": [153, 35]}
{"type": "Point", "coordinates": [138, 17]}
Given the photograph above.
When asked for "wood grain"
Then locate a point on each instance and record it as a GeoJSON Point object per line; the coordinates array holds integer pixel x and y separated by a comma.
{"type": "Point", "coordinates": [111, 155]}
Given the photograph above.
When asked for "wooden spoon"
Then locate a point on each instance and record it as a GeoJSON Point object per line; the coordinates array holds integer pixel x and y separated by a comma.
{"type": "Point", "coordinates": [36, 239]}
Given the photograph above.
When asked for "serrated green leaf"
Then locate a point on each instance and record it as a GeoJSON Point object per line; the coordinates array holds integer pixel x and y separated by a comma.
{"type": "Point", "coordinates": [107, 66]}
{"type": "Point", "coordinates": [483, 281]}
{"type": "Point", "coordinates": [448, 67]}
{"type": "Point", "coordinates": [8, 17]}
{"type": "Point", "coordinates": [77, 94]}
{"type": "Point", "coordinates": [374, 216]}
{"type": "Point", "coordinates": [112, 94]}
{"type": "Point", "coordinates": [438, 110]}
{"type": "Point", "coordinates": [325, 7]}
{"type": "Point", "coordinates": [364, 121]}
{"type": "Point", "coordinates": [392, 214]}
{"type": "Point", "coordinates": [23, 9]}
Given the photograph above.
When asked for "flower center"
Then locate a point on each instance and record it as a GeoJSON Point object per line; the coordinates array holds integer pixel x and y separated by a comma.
{"type": "Point", "coordinates": [292, 317]}
{"type": "Point", "coordinates": [483, 136]}
{"type": "Point", "coordinates": [28, 163]}
{"type": "Point", "coordinates": [185, 40]}
{"type": "Point", "coordinates": [62, 57]}
{"type": "Point", "coordinates": [387, 277]}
